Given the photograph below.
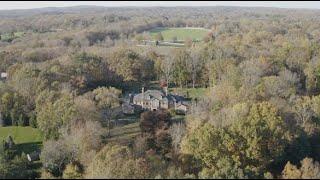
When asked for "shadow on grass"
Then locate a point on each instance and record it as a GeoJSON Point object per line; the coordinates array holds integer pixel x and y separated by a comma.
{"type": "Point", "coordinates": [28, 147]}
{"type": "Point", "coordinates": [125, 134]}
{"type": "Point", "coordinates": [34, 168]}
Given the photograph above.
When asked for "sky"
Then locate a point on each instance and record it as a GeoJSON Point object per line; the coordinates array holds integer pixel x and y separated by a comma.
{"type": "Point", "coordinates": [7, 5]}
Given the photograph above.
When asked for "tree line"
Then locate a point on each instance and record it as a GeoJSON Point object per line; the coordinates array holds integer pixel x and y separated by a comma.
{"type": "Point", "coordinates": [259, 117]}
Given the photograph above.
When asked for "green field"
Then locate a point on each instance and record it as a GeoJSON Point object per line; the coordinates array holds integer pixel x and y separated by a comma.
{"type": "Point", "coordinates": [163, 50]}
{"type": "Point", "coordinates": [181, 33]}
{"type": "Point", "coordinates": [124, 134]}
{"type": "Point", "coordinates": [27, 139]}
{"type": "Point", "coordinates": [7, 36]}
{"type": "Point", "coordinates": [190, 92]}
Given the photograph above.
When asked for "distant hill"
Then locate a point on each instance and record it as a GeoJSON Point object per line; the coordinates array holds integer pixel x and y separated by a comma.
{"type": "Point", "coordinates": [50, 10]}
{"type": "Point", "coordinates": [97, 9]}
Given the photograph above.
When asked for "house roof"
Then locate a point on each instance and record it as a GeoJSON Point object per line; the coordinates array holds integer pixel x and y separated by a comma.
{"type": "Point", "coordinates": [4, 75]}
{"type": "Point", "coordinates": [150, 94]}
{"type": "Point", "coordinates": [183, 103]}
{"type": "Point", "coordinates": [157, 94]}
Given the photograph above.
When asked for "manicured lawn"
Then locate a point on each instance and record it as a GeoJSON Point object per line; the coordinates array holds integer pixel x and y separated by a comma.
{"type": "Point", "coordinates": [27, 139]}
{"type": "Point", "coordinates": [163, 50]}
{"type": "Point", "coordinates": [124, 134]}
{"type": "Point", "coordinates": [21, 134]}
{"type": "Point", "coordinates": [181, 33]}
{"type": "Point", "coordinates": [7, 36]}
{"type": "Point", "coordinates": [190, 92]}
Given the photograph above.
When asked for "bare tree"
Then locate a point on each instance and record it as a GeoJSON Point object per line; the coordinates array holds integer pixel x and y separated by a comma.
{"type": "Point", "coordinates": [304, 113]}
{"type": "Point", "coordinates": [167, 68]}
{"type": "Point", "coordinates": [194, 65]}
{"type": "Point", "coordinates": [2, 123]}
{"type": "Point", "coordinates": [177, 131]}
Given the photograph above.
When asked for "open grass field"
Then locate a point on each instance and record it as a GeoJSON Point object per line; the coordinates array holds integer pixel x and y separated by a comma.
{"type": "Point", "coordinates": [127, 133]}
{"type": "Point", "coordinates": [7, 36]}
{"type": "Point", "coordinates": [124, 134]}
{"type": "Point", "coordinates": [163, 50]}
{"type": "Point", "coordinates": [190, 92]}
{"type": "Point", "coordinates": [181, 33]}
{"type": "Point", "coordinates": [27, 139]}
{"type": "Point", "coordinates": [21, 134]}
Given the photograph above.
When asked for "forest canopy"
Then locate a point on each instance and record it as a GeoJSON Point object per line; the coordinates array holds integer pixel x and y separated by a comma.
{"type": "Point", "coordinates": [69, 71]}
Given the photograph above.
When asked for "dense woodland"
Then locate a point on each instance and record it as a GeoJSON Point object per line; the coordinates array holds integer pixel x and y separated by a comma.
{"type": "Point", "coordinates": [69, 67]}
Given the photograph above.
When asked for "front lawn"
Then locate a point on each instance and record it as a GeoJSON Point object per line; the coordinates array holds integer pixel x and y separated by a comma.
{"type": "Point", "coordinates": [27, 139]}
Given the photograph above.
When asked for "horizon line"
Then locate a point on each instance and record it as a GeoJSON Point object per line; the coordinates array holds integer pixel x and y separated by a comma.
{"type": "Point", "coordinates": [161, 6]}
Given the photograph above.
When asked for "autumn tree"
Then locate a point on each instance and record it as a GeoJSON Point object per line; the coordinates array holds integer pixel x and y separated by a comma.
{"type": "Point", "coordinates": [244, 144]}
{"type": "Point", "coordinates": [180, 72]}
{"type": "Point", "coordinates": [159, 37]}
{"type": "Point", "coordinates": [309, 169]}
{"type": "Point", "coordinates": [51, 116]}
{"type": "Point", "coordinates": [116, 162]}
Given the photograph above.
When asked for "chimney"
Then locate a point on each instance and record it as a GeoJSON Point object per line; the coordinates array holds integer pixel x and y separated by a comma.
{"type": "Point", "coordinates": [142, 92]}
{"type": "Point", "coordinates": [130, 98]}
{"type": "Point", "coordinates": [165, 90]}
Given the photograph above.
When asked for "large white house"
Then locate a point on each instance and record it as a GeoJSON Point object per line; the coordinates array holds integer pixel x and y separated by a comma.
{"type": "Point", "coordinates": [4, 75]}
{"type": "Point", "coordinates": [156, 99]}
